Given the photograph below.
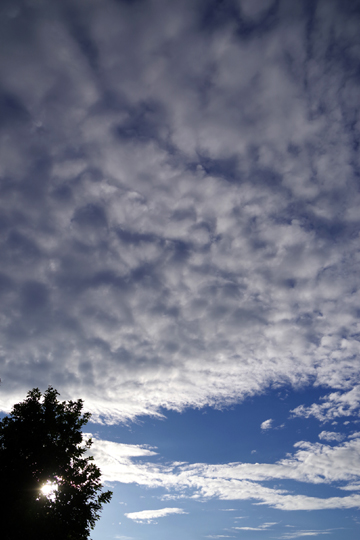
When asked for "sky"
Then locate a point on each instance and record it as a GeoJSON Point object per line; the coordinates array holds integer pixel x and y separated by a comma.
{"type": "Point", "coordinates": [179, 247]}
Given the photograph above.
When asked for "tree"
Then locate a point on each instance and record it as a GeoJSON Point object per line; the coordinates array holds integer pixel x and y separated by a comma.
{"type": "Point", "coordinates": [49, 488]}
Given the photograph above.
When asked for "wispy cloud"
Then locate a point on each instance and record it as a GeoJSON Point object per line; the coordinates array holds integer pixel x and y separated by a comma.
{"type": "Point", "coordinates": [351, 487]}
{"type": "Point", "coordinates": [262, 527]}
{"type": "Point", "coordinates": [149, 516]}
{"type": "Point", "coordinates": [219, 536]}
{"type": "Point", "coordinates": [299, 534]}
{"type": "Point", "coordinates": [312, 464]}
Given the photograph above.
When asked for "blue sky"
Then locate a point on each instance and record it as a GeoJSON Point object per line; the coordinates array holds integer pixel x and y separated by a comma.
{"type": "Point", "coordinates": [179, 247]}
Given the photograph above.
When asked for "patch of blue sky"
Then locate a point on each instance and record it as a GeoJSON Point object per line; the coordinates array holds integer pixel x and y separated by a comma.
{"type": "Point", "coordinates": [229, 434]}
{"type": "Point", "coordinates": [216, 518]}
{"type": "Point", "coordinates": [219, 437]}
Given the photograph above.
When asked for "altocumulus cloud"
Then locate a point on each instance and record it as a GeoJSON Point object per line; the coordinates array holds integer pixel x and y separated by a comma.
{"type": "Point", "coordinates": [179, 218]}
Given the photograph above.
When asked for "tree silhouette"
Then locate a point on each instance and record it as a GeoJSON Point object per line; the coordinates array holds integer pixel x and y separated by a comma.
{"type": "Point", "coordinates": [49, 488]}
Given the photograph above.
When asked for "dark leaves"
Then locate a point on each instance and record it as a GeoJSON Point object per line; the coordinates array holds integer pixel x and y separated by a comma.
{"type": "Point", "coordinates": [40, 442]}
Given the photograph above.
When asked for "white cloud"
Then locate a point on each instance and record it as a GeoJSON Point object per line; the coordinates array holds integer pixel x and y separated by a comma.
{"type": "Point", "coordinates": [178, 248]}
{"type": "Point", "coordinates": [299, 534]}
{"type": "Point", "coordinates": [267, 424]}
{"type": "Point", "coordinates": [335, 405]}
{"type": "Point", "coordinates": [331, 436]}
{"type": "Point", "coordinates": [312, 463]}
{"type": "Point", "coordinates": [218, 536]}
{"type": "Point", "coordinates": [351, 487]}
{"type": "Point", "coordinates": [120, 450]}
{"type": "Point", "coordinates": [263, 527]}
{"type": "Point", "coordinates": [149, 516]}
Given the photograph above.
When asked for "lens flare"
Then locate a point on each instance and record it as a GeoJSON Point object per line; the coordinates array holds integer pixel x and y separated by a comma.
{"type": "Point", "coordinates": [49, 490]}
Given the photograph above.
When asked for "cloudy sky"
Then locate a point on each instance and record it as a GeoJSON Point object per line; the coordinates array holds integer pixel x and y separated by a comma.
{"type": "Point", "coordinates": [179, 247]}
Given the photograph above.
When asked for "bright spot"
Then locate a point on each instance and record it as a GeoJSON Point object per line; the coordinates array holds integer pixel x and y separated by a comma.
{"type": "Point", "coordinates": [49, 490]}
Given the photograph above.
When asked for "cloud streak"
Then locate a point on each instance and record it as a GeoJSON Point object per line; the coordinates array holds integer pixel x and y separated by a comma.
{"type": "Point", "coordinates": [263, 527]}
{"type": "Point", "coordinates": [300, 534]}
{"type": "Point", "coordinates": [311, 464]}
{"type": "Point", "coordinates": [149, 516]}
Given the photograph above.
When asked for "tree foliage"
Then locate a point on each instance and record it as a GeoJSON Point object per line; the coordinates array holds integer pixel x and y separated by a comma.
{"type": "Point", "coordinates": [41, 443]}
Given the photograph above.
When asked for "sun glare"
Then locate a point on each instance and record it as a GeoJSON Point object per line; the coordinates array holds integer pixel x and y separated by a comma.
{"type": "Point", "coordinates": [49, 490]}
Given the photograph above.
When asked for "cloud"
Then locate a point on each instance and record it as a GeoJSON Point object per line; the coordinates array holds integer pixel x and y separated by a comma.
{"type": "Point", "coordinates": [174, 232]}
{"type": "Point", "coordinates": [149, 516]}
{"type": "Point", "coordinates": [331, 436]}
{"type": "Point", "coordinates": [218, 536]}
{"type": "Point", "coordinates": [312, 463]}
{"type": "Point", "coordinates": [263, 527]}
{"type": "Point", "coordinates": [254, 8]}
{"type": "Point", "coordinates": [267, 424]}
{"type": "Point", "coordinates": [120, 450]}
{"type": "Point", "coordinates": [299, 534]}
{"type": "Point", "coordinates": [351, 487]}
{"type": "Point", "coordinates": [335, 405]}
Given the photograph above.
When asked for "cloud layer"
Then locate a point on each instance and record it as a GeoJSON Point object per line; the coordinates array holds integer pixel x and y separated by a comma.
{"type": "Point", "coordinates": [179, 202]}
{"type": "Point", "coordinates": [312, 463]}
